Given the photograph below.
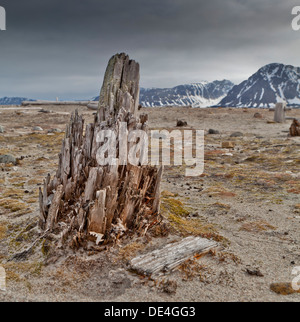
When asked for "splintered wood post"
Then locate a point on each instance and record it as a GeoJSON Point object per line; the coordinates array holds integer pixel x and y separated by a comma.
{"type": "Point", "coordinates": [295, 128]}
{"type": "Point", "coordinates": [171, 256]}
{"type": "Point", "coordinates": [96, 194]}
{"type": "Point", "coordinates": [279, 115]}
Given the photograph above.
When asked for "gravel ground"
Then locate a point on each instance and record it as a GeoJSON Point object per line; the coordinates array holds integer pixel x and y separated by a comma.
{"type": "Point", "coordinates": [247, 199]}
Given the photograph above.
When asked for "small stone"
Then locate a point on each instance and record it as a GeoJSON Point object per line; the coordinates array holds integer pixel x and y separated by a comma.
{"type": "Point", "coordinates": [212, 131]}
{"type": "Point", "coordinates": [37, 128]}
{"type": "Point", "coordinates": [258, 115]}
{"type": "Point", "coordinates": [254, 272]}
{"type": "Point", "coordinates": [181, 123]}
{"type": "Point", "coordinates": [227, 145]}
{"type": "Point", "coordinates": [236, 134]}
{"type": "Point", "coordinates": [44, 111]}
{"type": "Point", "coordinates": [1, 129]}
{"type": "Point", "coordinates": [54, 131]}
{"type": "Point", "coordinates": [8, 159]}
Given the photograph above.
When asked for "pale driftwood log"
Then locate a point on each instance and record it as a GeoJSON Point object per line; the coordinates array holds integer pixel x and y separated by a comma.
{"type": "Point", "coordinates": [42, 103]}
{"type": "Point", "coordinates": [86, 200]}
{"type": "Point", "coordinates": [171, 256]}
{"type": "Point", "coordinates": [279, 115]}
{"type": "Point", "coordinates": [92, 106]}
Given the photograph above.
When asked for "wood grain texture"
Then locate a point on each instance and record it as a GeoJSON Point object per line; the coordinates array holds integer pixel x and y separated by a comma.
{"type": "Point", "coordinates": [171, 256]}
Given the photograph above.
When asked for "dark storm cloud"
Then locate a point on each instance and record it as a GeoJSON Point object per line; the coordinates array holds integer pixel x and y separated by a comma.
{"type": "Point", "coordinates": [61, 48]}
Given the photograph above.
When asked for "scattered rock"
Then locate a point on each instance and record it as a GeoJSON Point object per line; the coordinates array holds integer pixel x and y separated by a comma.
{"type": "Point", "coordinates": [227, 145]}
{"type": "Point", "coordinates": [8, 159]}
{"type": "Point", "coordinates": [295, 128]}
{"type": "Point", "coordinates": [283, 288]}
{"type": "Point", "coordinates": [236, 134]}
{"type": "Point", "coordinates": [258, 115]}
{"type": "Point", "coordinates": [254, 272]}
{"type": "Point", "coordinates": [181, 123]}
{"type": "Point", "coordinates": [212, 131]}
{"type": "Point", "coordinates": [54, 131]}
{"type": "Point", "coordinates": [44, 111]}
{"type": "Point", "coordinates": [37, 128]}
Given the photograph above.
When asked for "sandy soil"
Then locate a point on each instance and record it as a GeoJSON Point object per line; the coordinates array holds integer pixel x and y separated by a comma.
{"type": "Point", "coordinates": [247, 199]}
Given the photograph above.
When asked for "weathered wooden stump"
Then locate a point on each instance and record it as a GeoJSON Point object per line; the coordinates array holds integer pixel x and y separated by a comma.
{"type": "Point", "coordinates": [279, 115]}
{"type": "Point", "coordinates": [96, 195]}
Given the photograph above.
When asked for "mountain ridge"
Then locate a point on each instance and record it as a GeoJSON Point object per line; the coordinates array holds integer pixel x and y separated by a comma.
{"type": "Point", "coordinates": [13, 100]}
{"type": "Point", "coordinates": [201, 94]}
{"type": "Point", "coordinates": [271, 84]}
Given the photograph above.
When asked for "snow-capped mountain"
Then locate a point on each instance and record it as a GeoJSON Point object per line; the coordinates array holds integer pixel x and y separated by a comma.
{"type": "Point", "coordinates": [202, 94]}
{"type": "Point", "coordinates": [270, 84]}
{"type": "Point", "coordinates": [13, 100]}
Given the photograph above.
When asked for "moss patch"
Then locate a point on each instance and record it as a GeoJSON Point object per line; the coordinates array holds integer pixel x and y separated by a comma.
{"type": "Point", "coordinates": [14, 205]}
{"type": "Point", "coordinates": [3, 230]}
{"type": "Point", "coordinates": [174, 206]}
{"type": "Point", "coordinates": [177, 214]}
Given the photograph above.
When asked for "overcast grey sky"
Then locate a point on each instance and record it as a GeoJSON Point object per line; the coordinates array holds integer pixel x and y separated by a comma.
{"type": "Point", "coordinates": [61, 48]}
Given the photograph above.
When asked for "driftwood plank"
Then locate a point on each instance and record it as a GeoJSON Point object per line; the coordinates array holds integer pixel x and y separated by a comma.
{"type": "Point", "coordinates": [171, 256]}
{"type": "Point", "coordinates": [41, 103]}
